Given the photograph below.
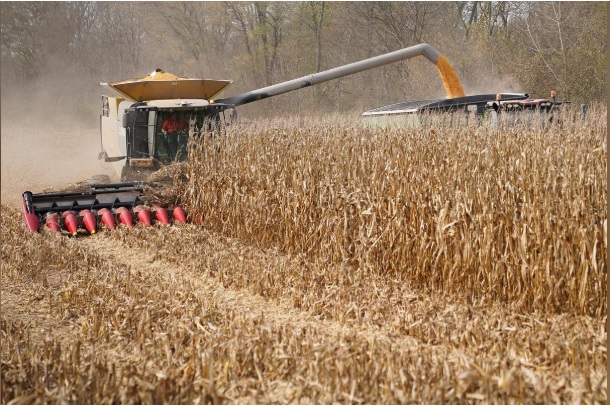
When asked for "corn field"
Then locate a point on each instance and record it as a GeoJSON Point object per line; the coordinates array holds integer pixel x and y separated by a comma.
{"type": "Point", "coordinates": [515, 216]}
{"type": "Point", "coordinates": [336, 262]}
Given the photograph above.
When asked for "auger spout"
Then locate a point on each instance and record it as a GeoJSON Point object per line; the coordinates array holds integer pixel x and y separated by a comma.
{"type": "Point", "coordinates": [452, 84]}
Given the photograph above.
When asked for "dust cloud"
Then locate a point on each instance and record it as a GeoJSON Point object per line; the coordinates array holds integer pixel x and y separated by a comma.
{"type": "Point", "coordinates": [49, 139]}
{"type": "Point", "coordinates": [479, 80]}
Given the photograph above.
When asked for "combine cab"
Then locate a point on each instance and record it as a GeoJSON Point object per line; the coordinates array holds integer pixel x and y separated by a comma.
{"type": "Point", "coordinates": [102, 207]}
{"type": "Point", "coordinates": [151, 123]}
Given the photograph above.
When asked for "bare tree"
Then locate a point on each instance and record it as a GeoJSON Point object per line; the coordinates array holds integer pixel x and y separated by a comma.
{"type": "Point", "coordinates": [316, 14]}
{"type": "Point", "coordinates": [537, 45]}
{"type": "Point", "coordinates": [400, 24]}
{"type": "Point", "coordinates": [557, 39]}
{"type": "Point", "coordinates": [493, 15]}
{"type": "Point", "coordinates": [22, 39]}
{"type": "Point", "coordinates": [261, 25]}
{"type": "Point", "coordinates": [203, 30]}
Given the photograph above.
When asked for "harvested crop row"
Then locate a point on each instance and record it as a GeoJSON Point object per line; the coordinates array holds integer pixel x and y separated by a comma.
{"type": "Point", "coordinates": [484, 335]}
{"type": "Point", "coordinates": [152, 332]}
{"type": "Point", "coordinates": [361, 300]}
{"type": "Point", "coordinates": [514, 217]}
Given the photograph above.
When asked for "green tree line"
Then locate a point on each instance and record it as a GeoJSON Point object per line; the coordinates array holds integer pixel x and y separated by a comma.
{"type": "Point", "coordinates": [67, 48]}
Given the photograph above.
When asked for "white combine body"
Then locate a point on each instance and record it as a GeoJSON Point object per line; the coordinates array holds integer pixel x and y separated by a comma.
{"type": "Point", "coordinates": [135, 135]}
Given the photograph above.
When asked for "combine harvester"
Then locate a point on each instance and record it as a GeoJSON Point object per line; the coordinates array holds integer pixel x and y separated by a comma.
{"type": "Point", "coordinates": [149, 124]}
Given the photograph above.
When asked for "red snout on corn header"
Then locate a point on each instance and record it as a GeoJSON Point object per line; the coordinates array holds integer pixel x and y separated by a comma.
{"type": "Point", "coordinates": [103, 207]}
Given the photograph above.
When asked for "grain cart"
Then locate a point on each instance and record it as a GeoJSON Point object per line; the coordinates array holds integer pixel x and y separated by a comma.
{"type": "Point", "coordinates": [497, 109]}
{"type": "Point", "coordinates": [147, 124]}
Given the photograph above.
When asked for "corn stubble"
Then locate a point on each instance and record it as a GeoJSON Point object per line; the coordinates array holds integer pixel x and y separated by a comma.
{"type": "Point", "coordinates": [338, 264]}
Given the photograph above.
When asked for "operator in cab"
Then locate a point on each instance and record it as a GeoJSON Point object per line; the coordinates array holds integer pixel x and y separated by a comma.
{"type": "Point", "coordinates": [173, 125]}
{"type": "Point", "coordinates": [175, 129]}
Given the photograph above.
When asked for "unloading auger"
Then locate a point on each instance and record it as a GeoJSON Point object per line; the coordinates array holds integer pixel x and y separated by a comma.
{"type": "Point", "coordinates": [450, 79]}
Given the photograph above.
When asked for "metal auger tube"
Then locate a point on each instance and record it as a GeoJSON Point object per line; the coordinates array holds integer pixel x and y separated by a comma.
{"type": "Point", "coordinates": [417, 50]}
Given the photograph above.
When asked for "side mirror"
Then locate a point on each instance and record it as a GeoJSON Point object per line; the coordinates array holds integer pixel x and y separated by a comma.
{"type": "Point", "coordinates": [124, 120]}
